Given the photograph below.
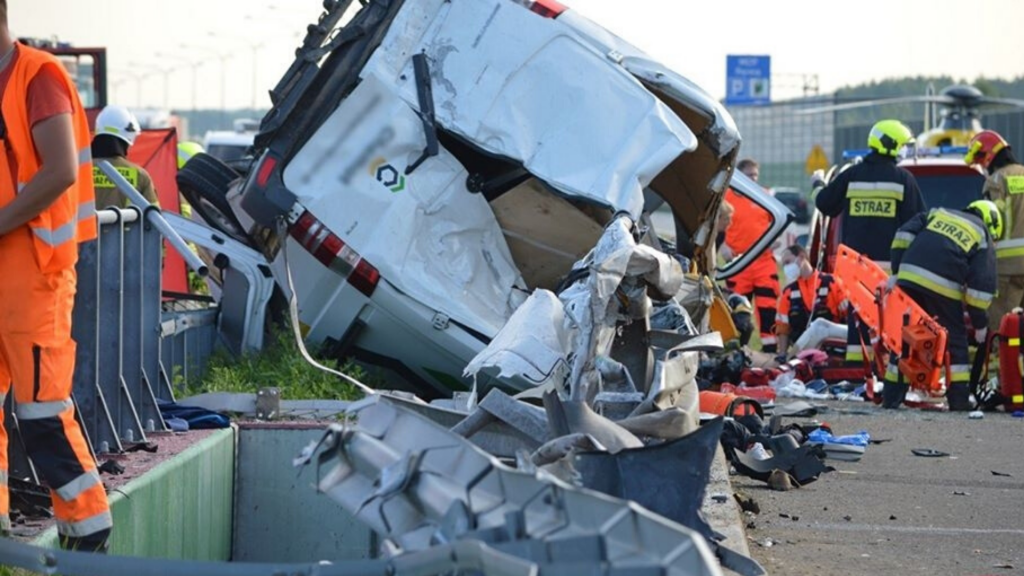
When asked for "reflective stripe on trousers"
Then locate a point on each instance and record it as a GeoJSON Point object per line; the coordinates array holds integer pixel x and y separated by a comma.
{"type": "Point", "coordinates": [39, 410]}
{"type": "Point", "coordinates": [83, 528]}
{"type": "Point", "coordinates": [5, 504]}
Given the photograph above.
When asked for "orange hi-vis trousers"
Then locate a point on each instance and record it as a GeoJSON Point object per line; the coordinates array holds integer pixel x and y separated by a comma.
{"type": "Point", "coordinates": [37, 359]}
{"type": "Point", "coordinates": [760, 284]}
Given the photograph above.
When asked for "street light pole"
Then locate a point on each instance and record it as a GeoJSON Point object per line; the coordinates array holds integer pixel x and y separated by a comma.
{"type": "Point", "coordinates": [162, 70]}
{"type": "Point", "coordinates": [116, 84]}
{"type": "Point", "coordinates": [255, 62]}
{"type": "Point", "coordinates": [191, 63]}
{"type": "Point", "coordinates": [223, 57]}
{"type": "Point", "coordinates": [255, 47]}
{"type": "Point", "coordinates": [138, 78]}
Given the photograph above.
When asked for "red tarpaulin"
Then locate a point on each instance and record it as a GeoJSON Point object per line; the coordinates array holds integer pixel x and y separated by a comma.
{"type": "Point", "coordinates": [157, 152]}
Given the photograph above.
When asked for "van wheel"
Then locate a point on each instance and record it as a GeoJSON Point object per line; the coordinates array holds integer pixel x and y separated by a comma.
{"type": "Point", "coordinates": [204, 182]}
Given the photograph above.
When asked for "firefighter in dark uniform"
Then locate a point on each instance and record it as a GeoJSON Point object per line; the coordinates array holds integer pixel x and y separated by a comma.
{"type": "Point", "coordinates": [875, 197]}
{"type": "Point", "coordinates": [810, 295]}
{"type": "Point", "coordinates": [946, 261]}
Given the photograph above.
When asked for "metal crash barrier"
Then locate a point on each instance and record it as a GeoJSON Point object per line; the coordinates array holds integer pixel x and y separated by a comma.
{"type": "Point", "coordinates": [131, 352]}
{"type": "Point", "coordinates": [458, 557]}
{"type": "Point", "coordinates": [119, 374]}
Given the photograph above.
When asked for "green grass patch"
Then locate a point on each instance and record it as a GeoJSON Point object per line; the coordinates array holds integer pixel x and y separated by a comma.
{"type": "Point", "coordinates": [281, 365]}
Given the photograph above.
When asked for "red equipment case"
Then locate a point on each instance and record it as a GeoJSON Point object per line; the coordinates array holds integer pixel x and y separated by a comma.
{"type": "Point", "coordinates": [1011, 359]}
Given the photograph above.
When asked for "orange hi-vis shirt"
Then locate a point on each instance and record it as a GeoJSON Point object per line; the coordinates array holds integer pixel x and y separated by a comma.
{"type": "Point", "coordinates": [749, 222]}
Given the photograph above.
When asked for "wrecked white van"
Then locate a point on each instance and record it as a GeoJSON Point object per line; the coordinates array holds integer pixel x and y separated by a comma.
{"type": "Point", "coordinates": [427, 165]}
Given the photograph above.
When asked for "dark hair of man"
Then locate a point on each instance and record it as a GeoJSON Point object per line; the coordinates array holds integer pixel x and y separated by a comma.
{"type": "Point", "coordinates": [1002, 158]}
{"type": "Point", "coordinates": [797, 250]}
{"type": "Point", "coordinates": [745, 164]}
{"type": "Point", "coordinates": [3, 12]}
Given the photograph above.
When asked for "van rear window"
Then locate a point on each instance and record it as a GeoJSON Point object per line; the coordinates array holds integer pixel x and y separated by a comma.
{"type": "Point", "coordinates": [227, 152]}
{"type": "Point", "coordinates": [947, 191]}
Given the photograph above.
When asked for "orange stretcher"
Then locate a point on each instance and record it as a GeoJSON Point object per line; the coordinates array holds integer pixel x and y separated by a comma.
{"type": "Point", "coordinates": [897, 320]}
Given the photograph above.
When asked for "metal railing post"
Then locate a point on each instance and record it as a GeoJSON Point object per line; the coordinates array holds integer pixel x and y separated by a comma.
{"type": "Point", "coordinates": [134, 320]}
{"type": "Point", "coordinates": [154, 217]}
{"type": "Point", "coordinates": [93, 411]}
{"type": "Point", "coordinates": [111, 328]}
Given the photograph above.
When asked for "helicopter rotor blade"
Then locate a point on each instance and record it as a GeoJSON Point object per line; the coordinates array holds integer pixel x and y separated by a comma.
{"type": "Point", "coordinates": [1002, 102]}
{"type": "Point", "coordinates": [940, 99]}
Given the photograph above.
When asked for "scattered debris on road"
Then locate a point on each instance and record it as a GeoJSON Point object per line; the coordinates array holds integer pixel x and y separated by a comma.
{"type": "Point", "coordinates": [929, 453]}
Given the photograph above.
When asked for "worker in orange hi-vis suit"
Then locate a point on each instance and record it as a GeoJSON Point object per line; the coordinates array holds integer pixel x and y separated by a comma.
{"type": "Point", "coordinates": [760, 281]}
{"type": "Point", "coordinates": [46, 210]}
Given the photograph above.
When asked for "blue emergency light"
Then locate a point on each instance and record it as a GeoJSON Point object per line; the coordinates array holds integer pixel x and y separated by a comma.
{"type": "Point", "coordinates": [932, 152]}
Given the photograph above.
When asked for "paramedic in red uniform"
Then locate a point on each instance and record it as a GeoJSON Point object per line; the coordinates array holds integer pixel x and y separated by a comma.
{"type": "Point", "coordinates": [810, 295]}
{"type": "Point", "coordinates": [759, 282]}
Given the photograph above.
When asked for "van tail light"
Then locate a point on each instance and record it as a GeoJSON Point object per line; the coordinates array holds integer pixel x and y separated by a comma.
{"type": "Point", "coordinates": [546, 8]}
{"type": "Point", "coordinates": [364, 278]}
{"type": "Point", "coordinates": [267, 165]}
{"type": "Point", "coordinates": [332, 252]}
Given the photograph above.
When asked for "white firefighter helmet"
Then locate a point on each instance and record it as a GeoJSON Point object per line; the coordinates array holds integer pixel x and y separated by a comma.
{"type": "Point", "coordinates": [119, 122]}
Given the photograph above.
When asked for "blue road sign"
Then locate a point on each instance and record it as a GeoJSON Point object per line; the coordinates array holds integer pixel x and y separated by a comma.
{"type": "Point", "coordinates": [748, 79]}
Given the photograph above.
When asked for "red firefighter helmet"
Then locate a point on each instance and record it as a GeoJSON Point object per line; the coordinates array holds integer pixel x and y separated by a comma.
{"type": "Point", "coordinates": [983, 148]}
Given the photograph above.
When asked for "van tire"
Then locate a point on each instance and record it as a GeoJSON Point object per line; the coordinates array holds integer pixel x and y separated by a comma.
{"type": "Point", "coordinates": [204, 181]}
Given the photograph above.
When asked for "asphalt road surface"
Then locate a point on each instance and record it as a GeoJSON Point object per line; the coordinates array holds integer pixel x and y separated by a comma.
{"type": "Point", "coordinates": [897, 513]}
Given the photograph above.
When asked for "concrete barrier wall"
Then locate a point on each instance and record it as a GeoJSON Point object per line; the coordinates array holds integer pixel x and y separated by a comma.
{"type": "Point", "coordinates": [181, 509]}
{"type": "Point", "coordinates": [279, 516]}
{"type": "Point", "coordinates": [235, 496]}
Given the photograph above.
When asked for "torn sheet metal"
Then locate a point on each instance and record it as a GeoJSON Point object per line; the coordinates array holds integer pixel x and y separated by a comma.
{"type": "Point", "coordinates": [533, 344]}
{"type": "Point", "coordinates": [592, 305]}
{"type": "Point", "coordinates": [554, 450]}
{"type": "Point", "coordinates": [667, 424]}
{"type": "Point", "coordinates": [424, 231]}
{"type": "Point", "coordinates": [489, 433]}
{"type": "Point", "coordinates": [575, 416]}
{"type": "Point", "coordinates": [502, 425]}
{"type": "Point", "coordinates": [674, 386]}
{"type": "Point", "coordinates": [495, 103]}
{"type": "Point", "coordinates": [549, 338]}
{"type": "Point", "coordinates": [418, 485]}
{"type": "Point", "coordinates": [674, 383]}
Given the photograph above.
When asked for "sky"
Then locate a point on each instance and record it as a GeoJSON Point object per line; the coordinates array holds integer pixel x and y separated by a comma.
{"type": "Point", "coordinates": [204, 49]}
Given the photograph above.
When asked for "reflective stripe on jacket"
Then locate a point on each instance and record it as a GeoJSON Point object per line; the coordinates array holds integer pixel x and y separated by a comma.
{"type": "Point", "coordinates": [1006, 188]}
{"type": "Point", "coordinates": [948, 252]}
{"type": "Point", "coordinates": [875, 198]}
{"type": "Point", "coordinates": [107, 193]}
{"type": "Point", "coordinates": [71, 219]}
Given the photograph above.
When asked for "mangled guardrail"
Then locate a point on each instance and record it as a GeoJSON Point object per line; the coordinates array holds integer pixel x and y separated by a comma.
{"type": "Point", "coordinates": [419, 484]}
